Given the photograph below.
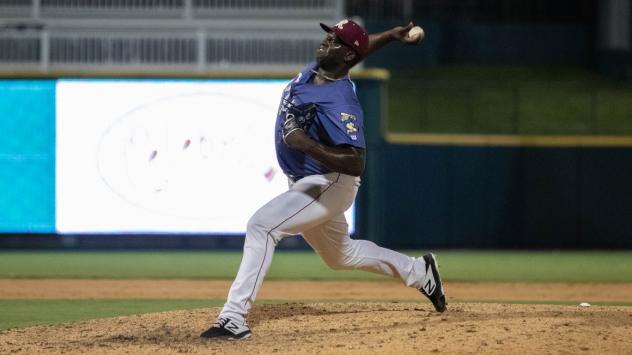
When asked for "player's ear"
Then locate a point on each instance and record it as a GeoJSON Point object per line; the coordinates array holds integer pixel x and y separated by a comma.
{"type": "Point", "coordinates": [351, 57]}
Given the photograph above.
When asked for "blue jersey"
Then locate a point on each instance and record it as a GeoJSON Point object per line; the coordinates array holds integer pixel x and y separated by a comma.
{"type": "Point", "coordinates": [338, 120]}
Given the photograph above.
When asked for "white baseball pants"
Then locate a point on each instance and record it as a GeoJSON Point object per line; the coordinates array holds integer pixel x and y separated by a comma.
{"type": "Point", "coordinates": [313, 206]}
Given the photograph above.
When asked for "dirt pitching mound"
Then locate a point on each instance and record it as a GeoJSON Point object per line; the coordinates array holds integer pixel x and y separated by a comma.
{"type": "Point", "coordinates": [344, 328]}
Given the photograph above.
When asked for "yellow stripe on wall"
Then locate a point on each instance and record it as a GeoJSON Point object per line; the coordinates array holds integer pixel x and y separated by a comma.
{"type": "Point", "coordinates": [509, 140]}
{"type": "Point", "coordinates": [364, 73]}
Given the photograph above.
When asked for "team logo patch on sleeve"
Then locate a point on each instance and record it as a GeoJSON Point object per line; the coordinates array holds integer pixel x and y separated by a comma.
{"type": "Point", "coordinates": [349, 122]}
{"type": "Point", "coordinates": [344, 117]}
{"type": "Point", "coordinates": [351, 130]}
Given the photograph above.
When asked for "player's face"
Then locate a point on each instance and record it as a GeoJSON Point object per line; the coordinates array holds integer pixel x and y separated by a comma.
{"type": "Point", "coordinates": [331, 50]}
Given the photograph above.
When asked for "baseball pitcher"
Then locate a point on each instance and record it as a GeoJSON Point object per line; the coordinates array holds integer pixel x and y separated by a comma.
{"type": "Point", "coordinates": [320, 146]}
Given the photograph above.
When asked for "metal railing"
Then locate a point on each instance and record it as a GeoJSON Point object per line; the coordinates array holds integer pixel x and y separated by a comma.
{"type": "Point", "coordinates": [129, 49]}
{"type": "Point", "coordinates": [263, 50]}
{"type": "Point", "coordinates": [154, 35]}
{"type": "Point", "coordinates": [269, 8]}
{"type": "Point", "coordinates": [15, 9]}
{"type": "Point", "coordinates": [40, 9]}
{"type": "Point", "coordinates": [187, 51]}
{"type": "Point", "coordinates": [20, 50]}
{"type": "Point", "coordinates": [180, 52]}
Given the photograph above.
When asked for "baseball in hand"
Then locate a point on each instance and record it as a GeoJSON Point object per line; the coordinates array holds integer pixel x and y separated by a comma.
{"type": "Point", "coordinates": [417, 34]}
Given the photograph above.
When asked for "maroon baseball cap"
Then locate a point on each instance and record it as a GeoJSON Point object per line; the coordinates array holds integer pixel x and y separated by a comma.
{"type": "Point", "coordinates": [351, 34]}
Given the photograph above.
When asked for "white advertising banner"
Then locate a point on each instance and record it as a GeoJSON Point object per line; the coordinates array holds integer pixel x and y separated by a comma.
{"type": "Point", "coordinates": [165, 156]}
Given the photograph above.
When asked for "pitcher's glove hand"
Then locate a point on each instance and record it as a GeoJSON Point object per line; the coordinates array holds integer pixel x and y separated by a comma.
{"type": "Point", "coordinates": [290, 124]}
{"type": "Point", "coordinates": [298, 117]}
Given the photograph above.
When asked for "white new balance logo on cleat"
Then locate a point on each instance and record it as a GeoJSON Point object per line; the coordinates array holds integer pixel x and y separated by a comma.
{"type": "Point", "coordinates": [234, 327]}
{"type": "Point", "coordinates": [429, 283]}
{"type": "Point", "coordinates": [226, 328]}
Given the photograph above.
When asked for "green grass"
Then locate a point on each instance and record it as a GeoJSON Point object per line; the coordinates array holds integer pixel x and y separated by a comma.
{"type": "Point", "coordinates": [471, 266]}
{"type": "Point", "coordinates": [162, 265]}
{"type": "Point", "coordinates": [25, 313]}
{"type": "Point", "coordinates": [508, 100]}
{"type": "Point", "coordinates": [581, 267]}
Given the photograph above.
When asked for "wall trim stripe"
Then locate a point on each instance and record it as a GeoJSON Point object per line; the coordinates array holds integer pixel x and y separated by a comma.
{"type": "Point", "coordinates": [509, 140]}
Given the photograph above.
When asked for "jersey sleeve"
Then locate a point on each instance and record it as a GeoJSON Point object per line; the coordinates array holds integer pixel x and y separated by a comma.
{"type": "Point", "coordinates": [344, 126]}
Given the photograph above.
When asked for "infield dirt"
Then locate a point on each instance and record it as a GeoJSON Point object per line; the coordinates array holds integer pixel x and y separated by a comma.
{"type": "Point", "coordinates": [385, 325]}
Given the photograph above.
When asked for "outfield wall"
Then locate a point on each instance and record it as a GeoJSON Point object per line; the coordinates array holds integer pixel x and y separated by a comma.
{"type": "Point", "coordinates": [450, 192]}
{"type": "Point", "coordinates": [418, 194]}
{"type": "Point", "coordinates": [501, 197]}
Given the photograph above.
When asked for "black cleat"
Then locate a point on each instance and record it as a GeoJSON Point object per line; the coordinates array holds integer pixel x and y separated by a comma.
{"type": "Point", "coordinates": [431, 285]}
{"type": "Point", "coordinates": [226, 328]}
